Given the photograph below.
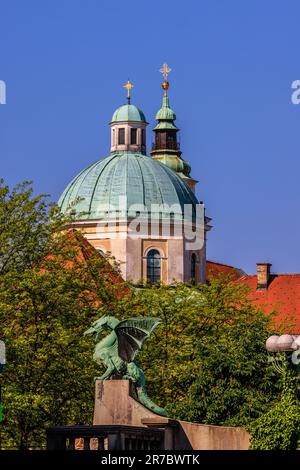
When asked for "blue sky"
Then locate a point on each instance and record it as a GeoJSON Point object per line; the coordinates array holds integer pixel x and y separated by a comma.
{"type": "Point", "coordinates": [64, 63]}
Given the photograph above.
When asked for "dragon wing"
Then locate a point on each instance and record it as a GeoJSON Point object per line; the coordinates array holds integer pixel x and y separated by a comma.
{"type": "Point", "coordinates": [131, 335]}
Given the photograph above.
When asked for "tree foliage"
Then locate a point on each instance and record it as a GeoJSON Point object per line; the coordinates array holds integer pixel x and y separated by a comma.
{"type": "Point", "coordinates": [207, 361]}
{"type": "Point", "coordinates": [279, 427]}
{"type": "Point", "coordinates": [26, 222]}
{"type": "Point", "coordinates": [49, 294]}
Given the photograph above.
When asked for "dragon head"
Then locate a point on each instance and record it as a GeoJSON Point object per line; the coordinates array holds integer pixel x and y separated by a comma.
{"type": "Point", "coordinates": [103, 323]}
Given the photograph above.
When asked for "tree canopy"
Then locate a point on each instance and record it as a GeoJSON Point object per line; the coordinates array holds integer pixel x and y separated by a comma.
{"type": "Point", "coordinates": [206, 362]}
{"type": "Point", "coordinates": [49, 293]}
{"type": "Point", "coordinates": [279, 427]}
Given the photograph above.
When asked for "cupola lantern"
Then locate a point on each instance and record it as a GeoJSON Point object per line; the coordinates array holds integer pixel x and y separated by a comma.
{"type": "Point", "coordinates": [128, 127]}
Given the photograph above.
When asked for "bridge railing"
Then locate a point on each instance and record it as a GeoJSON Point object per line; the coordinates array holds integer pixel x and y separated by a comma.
{"type": "Point", "coordinates": [104, 438]}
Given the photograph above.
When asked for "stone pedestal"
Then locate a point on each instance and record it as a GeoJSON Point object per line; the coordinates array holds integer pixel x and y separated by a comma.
{"type": "Point", "coordinates": [114, 404]}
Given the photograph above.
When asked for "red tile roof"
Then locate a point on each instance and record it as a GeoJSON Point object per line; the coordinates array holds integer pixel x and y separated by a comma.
{"type": "Point", "coordinates": [214, 269]}
{"type": "Point", "coordinates": [85, 252]}
{"type": "Point", "coordinates": [282, 295]}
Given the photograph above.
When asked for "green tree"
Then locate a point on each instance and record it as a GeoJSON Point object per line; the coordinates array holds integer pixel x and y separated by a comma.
{"type": "Point", "coordinates": [50, 292]}
{"type": "Point", "coordinates": [279, 427]}
{"type": "Point", "coordinates": [207, 361]}
{"type": "Point", "coordinates": [26, 221]}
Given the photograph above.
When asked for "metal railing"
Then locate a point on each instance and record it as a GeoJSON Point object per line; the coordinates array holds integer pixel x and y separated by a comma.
{"type": "Point", "coordinates": [166, 146]}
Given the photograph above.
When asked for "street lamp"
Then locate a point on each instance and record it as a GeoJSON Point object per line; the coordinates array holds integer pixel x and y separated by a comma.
{"type": "Point", "coordinates": [282, 348]}
{"type": "Point", "coordinates": [283, 343]}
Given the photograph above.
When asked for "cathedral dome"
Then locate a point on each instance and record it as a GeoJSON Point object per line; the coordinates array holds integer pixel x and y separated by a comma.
{"type": "Point", "coordinates": [127, 113]}
{"type": "Point", "coordinates": [135, 179]}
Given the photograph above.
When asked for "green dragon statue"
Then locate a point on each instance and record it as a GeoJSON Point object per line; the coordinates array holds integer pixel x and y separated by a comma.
{"type": "Point", "coordinates": [119, 348]}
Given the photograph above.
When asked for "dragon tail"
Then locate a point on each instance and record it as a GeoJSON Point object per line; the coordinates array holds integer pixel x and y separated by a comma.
{"type": "Point", "coordinates": [148, 403]}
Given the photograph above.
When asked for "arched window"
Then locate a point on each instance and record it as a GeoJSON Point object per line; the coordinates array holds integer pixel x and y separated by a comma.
{"type": "Point", "coordinates": [153, 267]}
{"type": "Point", "coordinates": [193, 268]}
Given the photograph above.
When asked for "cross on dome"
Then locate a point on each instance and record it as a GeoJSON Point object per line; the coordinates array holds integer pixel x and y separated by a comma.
{"type": "Point", "coordinates": [128, 86]}
{"type": "Point", "coordinates": [165, 70]}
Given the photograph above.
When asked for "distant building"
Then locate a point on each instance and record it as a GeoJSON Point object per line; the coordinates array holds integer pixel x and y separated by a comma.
{"type": "Point", "coordinates": [142, 209]}
{"type": "Point", "coordinates": [268, 291]}
{"type": "Point", "coordinates": [122, 203]}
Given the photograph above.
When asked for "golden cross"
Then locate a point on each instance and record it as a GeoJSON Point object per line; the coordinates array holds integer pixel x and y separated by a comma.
{"type": "Point", "coordinates": [128, 86]}
{"type": "Point", "coordinates": [165, 70]}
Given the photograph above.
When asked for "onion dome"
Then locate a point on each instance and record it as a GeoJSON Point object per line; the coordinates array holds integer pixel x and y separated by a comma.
{"type": "Point", "coordinates": [166, 147]}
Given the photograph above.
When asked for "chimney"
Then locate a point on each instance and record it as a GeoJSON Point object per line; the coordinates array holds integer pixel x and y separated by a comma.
{"type": "Point", "coordinates": [263, 275]}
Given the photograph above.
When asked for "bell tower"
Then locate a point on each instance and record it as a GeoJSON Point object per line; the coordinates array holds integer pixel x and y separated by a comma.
{"type": "Point", "coordinates": [166, 147]}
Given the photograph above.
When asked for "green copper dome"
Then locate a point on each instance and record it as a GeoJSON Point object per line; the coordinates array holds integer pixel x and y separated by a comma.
{"type": "Point", "coordinates": [128, 112]}
{"type": "Point", "coordinates": [139, 180]}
